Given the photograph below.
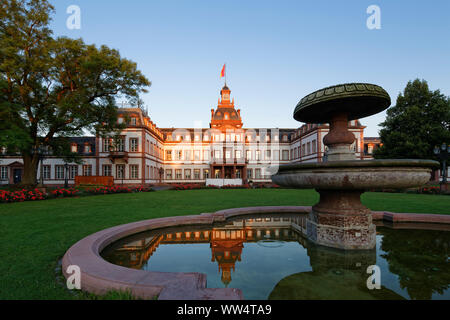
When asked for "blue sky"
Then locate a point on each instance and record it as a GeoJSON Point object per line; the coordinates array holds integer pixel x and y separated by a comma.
{"type": "Point", "coordinates": [276, 51]}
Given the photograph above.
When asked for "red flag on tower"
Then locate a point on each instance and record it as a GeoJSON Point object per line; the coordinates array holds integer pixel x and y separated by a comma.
{"type": "Point", "coordinates": [222, 73]}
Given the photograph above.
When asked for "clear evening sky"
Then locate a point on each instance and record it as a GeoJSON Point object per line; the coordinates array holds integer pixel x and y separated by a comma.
{"type": "Point", "coordinates": [276, 51]}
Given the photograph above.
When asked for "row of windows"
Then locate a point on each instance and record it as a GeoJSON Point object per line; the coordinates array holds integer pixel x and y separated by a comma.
{"type": "Point", "coordinates": [224, 137]}
{"type": "Point", "coordinates": [218, 154]}
{"type": "Point", "coordinates": [189, 174]}
{"type": "Point", "coordinates": [119, 145]}
{"type": "Point", "coordinates": [307, 149]}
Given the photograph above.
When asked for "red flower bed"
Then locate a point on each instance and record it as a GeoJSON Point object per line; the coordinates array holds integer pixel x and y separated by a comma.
{"type": "Point", "coordinates": [187, 186]}
{"type": "Point", "coordinates": [21, 195]}
{"type": "Point", "coordinates": [64, 192]}
{"type": "Point", "coordinates": [430, 190]}
{"type": "Point", "coordinates": [118, 189]}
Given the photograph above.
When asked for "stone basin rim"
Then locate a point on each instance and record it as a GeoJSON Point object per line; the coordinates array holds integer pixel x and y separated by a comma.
{"type": "Point", "coordinates": [98, 275]}
{"type": "Point", "coordinates": [355, 164]}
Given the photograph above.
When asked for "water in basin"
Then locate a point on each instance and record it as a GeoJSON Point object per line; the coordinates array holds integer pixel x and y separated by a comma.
{"type": "Point", "coordinates": [268, 257]}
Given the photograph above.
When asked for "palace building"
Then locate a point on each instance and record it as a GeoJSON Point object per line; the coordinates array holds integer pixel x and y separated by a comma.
{"type": "Point", "coordinates": [226, 153]}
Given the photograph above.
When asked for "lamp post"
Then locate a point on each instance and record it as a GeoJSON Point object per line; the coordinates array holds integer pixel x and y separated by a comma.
{"type": "Point", "coordinates": [442, 152]}
{"type": "Point", "coordinates": [161, 173]}
{"type": "Point", "coordinates": [66, 174]}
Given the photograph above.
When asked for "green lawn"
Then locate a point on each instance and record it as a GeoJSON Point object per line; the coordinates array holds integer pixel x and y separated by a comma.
{"type": "Point", "coordinates": [35, 235]}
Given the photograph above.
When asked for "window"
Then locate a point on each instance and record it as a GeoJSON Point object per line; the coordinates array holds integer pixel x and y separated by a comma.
{"type": "Point", "coordinates": [169, 174]}
{"type": "Point", "coordinates": [227, 154]}
{"type": "Point", "coordinates": [258, 155]}
{"type": "Point", "coordinates": [238, 154]}
{"type": "Point", "coordinates": [87, 148]}
{"type": "Point", "coordinates": [196, 137]}
{"type": "Point", "coordinates": [107, 170]}
{"type": "Point", "coordinates": [197, 174]}
{"type": "Point", "coordinates": [87, 170]}
{"type": "Point", "coordinates": [73, 172]}
{"type": "Point", "coordinates": [303, 150]}
{"type": "Point", "coordinates": [268, 154]}
{"type": "Point", "coordinates": [46, 172]}
{"type": "Point", "coordinates": [206, 155]}
{"type": "Point", "coordinates": [237, 173]}
{"type": "Point", "coordinates": [257, 173]}
{"type": "Point", "coordinates": [249, 173]}
{"type": "Point", "coordinates": [134, 145]}
{"type": "Point", "coordinates": [285, 138]}
{"type": "Point", "coordinates": [148, 173]}
{"type": "Point", "coordinates": [120, 171]}
{"type": "Point", "coordinates": [134, 171]}
{"type": "Point", "coordinates": [106, 144]}
{"type": "Point", "coordinates": [197, 155]}
{"type": "Point", "coordinates": [178, 174]}
{"type": "Point", "coordinates": [74, 148]}
{"type": "Point", "coordinates": [3, 173]}
{"type": "Point", "coordinates": [217, 173]}
{"type": "Point", "coordinates": [120, 120]}
{"type": "Point", "coordinates": [276, 155]}
{"type": "Point", "coordinates": [169, 155]}
{"type": "Point", "coordinates": [206, 174]}
{"type": "Point", "coordinates": [120, 144]}
{"type": "Point", "coordinates": [187, 174]}
{"type": "Point", "coordinates": [308, 148]}
{"type": "Point", "coordinates": [285, 155]}
{"type": "Point", "coordinates": [59, 172]}
{"type": "Point", "coordinates": [187, 155]}
{"type": "Point", "coordinates": [314, 146]}
{"type": "Point", "coordinates": [249, 154]}
{"type": "Point", "coordinates": [133, 121]}
{"type": "Point", "coordinates": [217, 154]}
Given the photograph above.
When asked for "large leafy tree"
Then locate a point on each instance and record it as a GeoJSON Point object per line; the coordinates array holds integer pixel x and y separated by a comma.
{"type": "Point", "coordinates": [55, 87]}
{"type": "Point", "coordinates": [418, 122]}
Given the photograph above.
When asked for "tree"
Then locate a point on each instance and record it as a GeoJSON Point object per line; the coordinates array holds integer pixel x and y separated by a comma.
{"type": "Point", "coordinates": [419, 121]}
{"type": "Point", "coordinates": [56, 87]}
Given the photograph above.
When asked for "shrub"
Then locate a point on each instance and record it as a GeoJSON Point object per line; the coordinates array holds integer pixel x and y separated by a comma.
{"type": "Point", "coordinates": [21, 195]}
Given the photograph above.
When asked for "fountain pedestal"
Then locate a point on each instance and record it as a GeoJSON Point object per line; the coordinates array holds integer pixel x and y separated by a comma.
{"type": "Point", "coordinates": [341, 221]}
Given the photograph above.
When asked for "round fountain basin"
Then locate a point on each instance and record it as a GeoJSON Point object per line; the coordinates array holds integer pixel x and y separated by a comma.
{"type": "Point", "coordinates": [356, 175]}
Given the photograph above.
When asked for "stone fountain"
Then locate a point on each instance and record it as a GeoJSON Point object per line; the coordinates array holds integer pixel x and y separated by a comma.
{"type": "Point", "coordinates": [339, 219]}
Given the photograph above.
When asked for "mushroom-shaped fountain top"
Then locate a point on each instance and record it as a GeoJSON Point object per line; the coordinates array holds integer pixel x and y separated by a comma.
{"type": "Point", "coordinates": [356, 100]}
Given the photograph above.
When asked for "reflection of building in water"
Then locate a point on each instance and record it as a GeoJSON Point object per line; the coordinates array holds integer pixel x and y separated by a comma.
{"type": "Point", "coordinates": [226, 242]}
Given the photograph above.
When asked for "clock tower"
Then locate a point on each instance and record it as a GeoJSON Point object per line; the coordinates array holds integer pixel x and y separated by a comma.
{"type": "Point", "coordinates": [225, 116]}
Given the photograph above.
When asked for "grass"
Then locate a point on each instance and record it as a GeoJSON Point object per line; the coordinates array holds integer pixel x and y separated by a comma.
{"type": "Point", "coordinates": [35, 235]}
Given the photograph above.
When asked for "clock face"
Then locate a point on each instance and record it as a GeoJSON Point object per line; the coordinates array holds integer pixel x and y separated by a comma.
{"type": "Point", "coordinates": [226, 96]}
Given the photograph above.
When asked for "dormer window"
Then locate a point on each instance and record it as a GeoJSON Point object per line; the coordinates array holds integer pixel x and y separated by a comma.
{"type": "Point", "coordinates": [285, 138]}
{"type": "Point", "coordinates": [87, 148]}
